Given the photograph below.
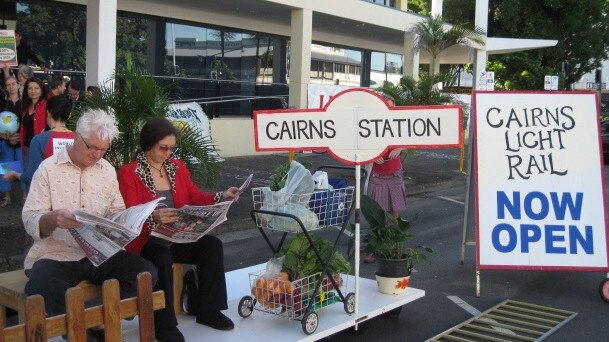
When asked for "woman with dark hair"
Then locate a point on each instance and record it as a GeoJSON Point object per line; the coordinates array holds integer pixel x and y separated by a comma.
{"type": "Point", "coordinates": [48, 142]}
{"type": "Point", "coordinates": [33, 117]}
{"type": "Point", "coordinates": [154, 173]}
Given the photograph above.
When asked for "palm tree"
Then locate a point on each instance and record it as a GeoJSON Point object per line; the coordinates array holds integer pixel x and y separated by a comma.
{"type": "Point", "coordinates": [433, 37]}
{"type": "Point", "coordinates": [410, 92]}
{"type": "Point", "coordinates": [135, 97]}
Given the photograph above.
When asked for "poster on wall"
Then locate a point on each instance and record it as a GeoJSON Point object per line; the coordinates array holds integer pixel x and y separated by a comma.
{"type": "Point", "coordinates": [540, 187]}
{"type": "Point", "coordinates": [8, 48]}
{"type": "Point", "coordinates": [191, 114]}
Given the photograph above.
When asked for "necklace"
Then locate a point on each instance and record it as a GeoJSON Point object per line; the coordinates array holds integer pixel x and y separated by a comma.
{"type": "Point", "coordinates": [158, 169]}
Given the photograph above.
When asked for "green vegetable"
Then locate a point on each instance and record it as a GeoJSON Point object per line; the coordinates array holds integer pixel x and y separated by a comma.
{"type": "Point", "coordinates": [300, 259]}
{"type": "Point", "coordinates": [277, 180]}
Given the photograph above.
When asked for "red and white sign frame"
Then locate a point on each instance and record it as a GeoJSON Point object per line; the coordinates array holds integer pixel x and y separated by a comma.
{"type": "Point", "coordinates": [358, 122]}
{"type": "Point", "coordinates": [540, 185]}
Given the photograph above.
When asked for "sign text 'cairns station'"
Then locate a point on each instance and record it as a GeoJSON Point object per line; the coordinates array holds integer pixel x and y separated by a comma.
{"type": "Point", "coordinates": [358, 122]}
{"type": "Point", "coordinates": [540, 181]}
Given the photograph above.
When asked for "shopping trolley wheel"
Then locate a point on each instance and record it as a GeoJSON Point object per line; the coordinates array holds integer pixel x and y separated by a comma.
{"type": "Point", "coordinates": [603, 290]}
{"type": "Point", "coordinates": [246, 306]}
{"type": "Point", "coordinates": [350, 303]}
{"type": "Point", "coordinates": [310, 322]}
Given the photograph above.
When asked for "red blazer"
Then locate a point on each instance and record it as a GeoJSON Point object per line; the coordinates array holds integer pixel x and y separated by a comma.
{"type": "Point", "coordinates": [40, 119]}
{"type": "Point", "coordinates": [135, 191]}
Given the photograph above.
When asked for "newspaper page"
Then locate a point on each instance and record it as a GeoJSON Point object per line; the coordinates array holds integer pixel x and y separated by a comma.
{"type": "Point", "coordinates": [100, 237]}
{"type": "Point", "coordinates": [193, 222]}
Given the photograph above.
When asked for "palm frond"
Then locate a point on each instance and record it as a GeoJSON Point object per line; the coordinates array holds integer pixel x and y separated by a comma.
{"type": "Point", "coordinates": [135, 97]}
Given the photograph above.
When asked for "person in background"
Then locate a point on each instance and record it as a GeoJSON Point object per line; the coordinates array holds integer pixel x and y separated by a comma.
{"type": "Point", "coordinates": [74, 89]}
{"type": "Point", "coordinates": [386, 185]}
{"type": "Point", "coordinates": [58, 86]}
{"type": "Point", "coordinates": [24, 73]}
{"type": "Point", "coordinates": [48, 142]}
{"type": "Point", "coordinates": [33, 117]}
{"type": "Point", "coordinates": [93, 91]}
{"type": "Point", "coordinates": [9, 145]}
{"type": "Point", "coordinates": [26, 54]}
{"type": "Point", "coordinates": [76, 178]}
{"type": "Point", "coordinates": [154, 173]}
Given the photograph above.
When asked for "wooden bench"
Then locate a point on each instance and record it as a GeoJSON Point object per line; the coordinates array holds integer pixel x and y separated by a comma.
{"type": "Point", "coordinates": [12, 296]}
{"type": "Point", "coordinates": [77, 319]}
{"type": "Point", "coordinates": [13, 283]}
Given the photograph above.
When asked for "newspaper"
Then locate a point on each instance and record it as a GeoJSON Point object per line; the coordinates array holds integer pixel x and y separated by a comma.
{"type": "Point", "coordinates": [100, 238]}
{"type": "Point", "coordinates": [195, 221]}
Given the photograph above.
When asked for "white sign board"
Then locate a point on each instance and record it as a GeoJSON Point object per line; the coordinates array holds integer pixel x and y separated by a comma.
{"type": "Point", "coordinates": [190, 114]}
{"type": "Point", "coordinates": [358, 122]}
{"type": "Point", "coordinates": [550, 82]}
{"type": "Point", "coordinates": [320, 94]}
{"type": "Point", "coordinates": [540, 181]}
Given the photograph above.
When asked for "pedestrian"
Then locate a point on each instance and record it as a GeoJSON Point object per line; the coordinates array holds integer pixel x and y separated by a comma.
{"type": "Point", "coordinates": [154, 173]}
{"type": "Point", "coordinates": [9, 146]}
{"type": "Point", "coordinates": [25, 53]}
{"type": "Point", "coordinates": [77, 178]}
{"type": "Point", "coordinates": [386, 185]}
{"type": "Point", "coordinates": [48, 142]}
{"type": "Point", "coordinates": [57, 87]}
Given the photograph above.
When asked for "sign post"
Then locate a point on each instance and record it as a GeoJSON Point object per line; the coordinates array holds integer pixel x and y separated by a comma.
{"type": "Point", "coordinates": [356, 126]}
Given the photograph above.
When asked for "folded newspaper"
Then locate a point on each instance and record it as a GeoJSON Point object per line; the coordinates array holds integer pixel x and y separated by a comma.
{"type": "Point", "coordinates": [100, 237]}
{"type": "Point", "coordinates": [195, 221]}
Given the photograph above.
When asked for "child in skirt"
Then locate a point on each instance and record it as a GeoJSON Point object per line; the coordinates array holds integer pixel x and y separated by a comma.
{"type": "Point", "coordinates": [386, 185]}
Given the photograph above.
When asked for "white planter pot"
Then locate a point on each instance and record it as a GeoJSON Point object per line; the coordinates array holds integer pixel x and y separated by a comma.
{"type": "Point", "coordinates": [390, 285]}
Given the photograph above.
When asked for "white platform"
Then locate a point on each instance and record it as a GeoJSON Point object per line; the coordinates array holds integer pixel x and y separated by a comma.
{"type": "Point", "coordinates": [266, 327]}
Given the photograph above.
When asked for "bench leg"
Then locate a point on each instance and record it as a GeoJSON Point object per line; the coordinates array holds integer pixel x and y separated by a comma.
{"type": "Point", "coordinates": [177, 288]}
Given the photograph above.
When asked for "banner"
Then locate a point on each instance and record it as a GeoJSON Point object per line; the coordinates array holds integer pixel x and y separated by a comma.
{"type": "Point", "coordinates": [190, 114]}
{"type": "Point", "coordinates": [540, 181]}
{"type": "Point", "coordinates": [320, 94]}
{"type": "Point", "coordinates": [8, 48]}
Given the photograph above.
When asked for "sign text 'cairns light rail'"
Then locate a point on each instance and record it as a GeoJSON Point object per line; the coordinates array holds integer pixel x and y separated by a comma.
{"type": "Point", "coordinates": [540, 181]}
{"type": "Point", "coordinates": [357, 121]}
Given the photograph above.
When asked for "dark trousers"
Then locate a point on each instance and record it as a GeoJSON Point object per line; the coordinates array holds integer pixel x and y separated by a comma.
{"type": "Point", "coordinates": [52, 279]}
{"type": "Point", "coordinates": [208, 254]}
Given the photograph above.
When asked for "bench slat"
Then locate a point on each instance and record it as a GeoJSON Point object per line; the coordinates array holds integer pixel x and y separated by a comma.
{"type": "Point", "coordinates": [75, 315]}
{"type": "Point", "coordinates": [112, 311]}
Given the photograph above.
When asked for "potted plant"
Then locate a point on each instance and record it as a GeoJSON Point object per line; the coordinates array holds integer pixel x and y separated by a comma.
{"type": "Point", "coordinates": [386, 240]}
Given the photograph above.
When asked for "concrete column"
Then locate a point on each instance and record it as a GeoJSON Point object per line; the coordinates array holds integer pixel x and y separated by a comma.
{"type": "Point", "coordinates": [101, 41]}
{"type": "Point", "coordinates": [300, 56]}
{"type": "Point", "coordinates": [436, 7]}
{"type": "Point", "coordinates": [480, 56]}
{"type": "Point", "coordinates": [411, 58]}
{"type": "Point", "coordinates": [402, 5]}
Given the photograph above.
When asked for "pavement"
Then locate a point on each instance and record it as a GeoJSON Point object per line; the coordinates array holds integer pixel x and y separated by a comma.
{"type": "Point", "coordinates": [424, 170]}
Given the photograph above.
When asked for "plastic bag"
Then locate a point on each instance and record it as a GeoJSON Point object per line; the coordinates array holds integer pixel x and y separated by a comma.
{"type": "Point", "coordinates": [287, 224]}
{"type": "Point", "coordinates": [320, 178]}
{"type": "Point", "coordinates": [293, 198]}
{"type": "Point", "coordinates": [271, 287]}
